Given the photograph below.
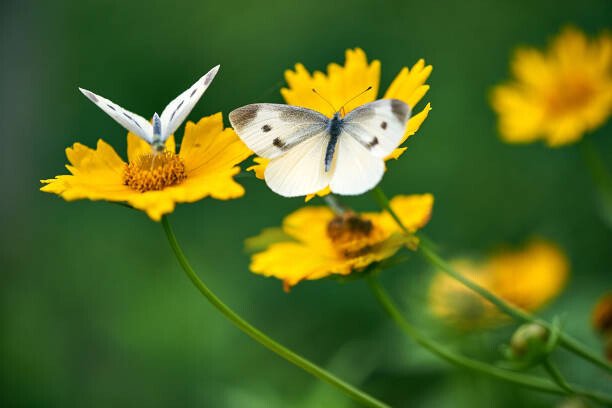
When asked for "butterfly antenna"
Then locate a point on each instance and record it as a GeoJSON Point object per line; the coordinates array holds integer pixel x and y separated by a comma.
{"type": "Point", "coordinates": [353, 98]}
{"type": "Point", "coordinates": [328, 102]}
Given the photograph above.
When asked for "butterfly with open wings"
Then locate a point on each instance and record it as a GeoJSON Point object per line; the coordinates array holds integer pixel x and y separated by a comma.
{"type": "Point", "coordinates": [309, 151]}
{"type": "Point", "coordinates": [163, 126]}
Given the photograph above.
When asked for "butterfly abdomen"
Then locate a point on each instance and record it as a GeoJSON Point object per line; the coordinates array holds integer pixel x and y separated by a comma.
{"type": "Point", "coordinates": [335, 128]}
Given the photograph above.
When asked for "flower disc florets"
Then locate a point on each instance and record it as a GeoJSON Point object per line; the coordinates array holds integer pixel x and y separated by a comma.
{"type": "Point", "coordinates": [155, 171]}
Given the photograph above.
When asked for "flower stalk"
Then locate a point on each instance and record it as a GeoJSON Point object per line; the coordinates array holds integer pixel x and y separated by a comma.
{"type": "Point", "coordinates": [425, 248]}
{"type": "Point", "coordinates": [259, 336]}
{"type": "Point", "coordinates": [559, 386]}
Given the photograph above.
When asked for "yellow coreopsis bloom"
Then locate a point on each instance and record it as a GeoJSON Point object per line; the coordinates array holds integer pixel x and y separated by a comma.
{"type": "Point", "coordinates": [318, 243]}
{"type": "Point", "coordinates": [155, 182]}
{"type": "Point", "coordinates": [557, 95]}
{"type": "Point", "coordinates": [341, 83]}
{"type": "Point", "coordinates": [527, 278]}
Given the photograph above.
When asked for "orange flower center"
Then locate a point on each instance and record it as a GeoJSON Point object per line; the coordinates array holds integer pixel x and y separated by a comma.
{"type": "Point", "coordinates": [155, 171]}
{"type": "Point", "coordinates": [568, 94]}
{"type": "Point", "coordinates": [351, 234]}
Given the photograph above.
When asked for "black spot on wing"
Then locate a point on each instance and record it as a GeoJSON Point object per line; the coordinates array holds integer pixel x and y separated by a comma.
{"type": "Point", "coordinates": [193, 92]}
{"type": "Point", "coordinates": [111, 106]}
{"type": "Point", "coordinates": [400, 110]}
{"type": "Point", "coordinates": [279, 143]}
{"type": "Point", "coordinates": [373, 143]}
{"type": "Point", "coordinates": [241, 117]}
{"type": "Point", "coordinates": [383, 125]}
{"type": "Point", "coordinates": [266, 128]}
{"type": "Point", "coordinates": [176, 110]}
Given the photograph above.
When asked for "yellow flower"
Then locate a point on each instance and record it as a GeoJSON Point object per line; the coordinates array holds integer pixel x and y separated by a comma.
{"type": "Point", "coordinates": [341, 83]}
{"type": "Point", "coordinates": [319, 243]}
{"type": "Point", "coordinates": [558, 95]}
{"type": "Point", "coordinates": [154, 183]}
{"type": "Point", "coordinates": [527, 278]}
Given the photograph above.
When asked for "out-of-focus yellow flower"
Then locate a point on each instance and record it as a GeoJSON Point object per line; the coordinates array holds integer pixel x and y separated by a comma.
{"type": "Point", "coordinates": [341, 83]}
{"type": "Point", "coordinates": [151, 182]}
{"type": "Point", "coordinates": [557, 95]}
{"type": "Point", "coordinates": [527, 278]}
{"type": "Point", "coordinates": [320, 243]}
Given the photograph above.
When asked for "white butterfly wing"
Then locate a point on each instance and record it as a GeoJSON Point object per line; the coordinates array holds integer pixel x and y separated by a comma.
{"type": "Point", "coordinates": [378, 126]}
{"type": "Point", "coordinates": [131, 121]}
{"type": "Point", "coordinates": [301, 170]}
{"type": "Point", "coordinates": [355, 170]}
{"type": "Point", "coordinates": [271, 130]}
{"type": "Point", "coordinates": [176, 112]}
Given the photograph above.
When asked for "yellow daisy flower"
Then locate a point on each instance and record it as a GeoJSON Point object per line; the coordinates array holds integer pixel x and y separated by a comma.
{"type": "Point", "coordinates": [341, 83]}
{"type": "Point", "coordinates": [152, 182]}
{"type": "Point", "coordinates": [557, 95]}
{"type": "Point", "coordinates": [318, 243]}
{"type": "Point", "coordinates": [527, 278]}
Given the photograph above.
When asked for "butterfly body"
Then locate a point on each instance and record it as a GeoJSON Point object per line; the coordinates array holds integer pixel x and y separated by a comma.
{"type": "Point", "coordinates": [309, 151]}
{"type": "Point", "coordinates": [162, 126]}
{"type": "Point", "coordinates": [334, 129]}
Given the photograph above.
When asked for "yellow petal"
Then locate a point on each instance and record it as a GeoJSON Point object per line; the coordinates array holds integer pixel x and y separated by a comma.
{"type": "Point", "coordinates": [409, 85]}
{"type": "Point", "coordinates": [259, 167]}
{"type": "Point", "coordinates": [530, 277]}
{"type": "Point", "coordinates": [338, 85]}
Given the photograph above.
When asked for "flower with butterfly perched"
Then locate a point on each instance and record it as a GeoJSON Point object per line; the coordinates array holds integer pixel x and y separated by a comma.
{"type": "Point", "coordinates": [314, 242]}
{"type": "Point", "coordinates": [527, 277]}
{"type": "Point", "coordinates": [559, 95]}
{"type": "Point", "coordinates": [342, 84]}
{"type": "Point", "coordinates": [152, 181]}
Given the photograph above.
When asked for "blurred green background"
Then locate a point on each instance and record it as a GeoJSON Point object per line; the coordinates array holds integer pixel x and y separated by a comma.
{"type": "Point", "coordinates": [94, 308]}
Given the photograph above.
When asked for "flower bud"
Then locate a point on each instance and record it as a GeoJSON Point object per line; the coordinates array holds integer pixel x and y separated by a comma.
{"type": "Point", "coordinates": [529, 343]}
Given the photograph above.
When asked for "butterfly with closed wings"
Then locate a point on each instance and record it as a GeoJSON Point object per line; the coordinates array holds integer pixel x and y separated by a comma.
{"type": "Point", "coordinates": [163, 126]}
{"type": "Point", "coordinates": [309, 151]}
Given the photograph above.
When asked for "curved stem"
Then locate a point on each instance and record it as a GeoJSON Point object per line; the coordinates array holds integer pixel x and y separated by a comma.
{"type": "Point", "coordinates": [559, 387]}
{"type": "Point", "coordinates": [425, 248]}
{"type": "Point", "coordinates": [558, 378]}
{"type": "Point", "coordinates": [556, 375]}
{"type": "Point", "coordinates": [450, 356]}
{"type": "Point", "coordinates": [260, 337]}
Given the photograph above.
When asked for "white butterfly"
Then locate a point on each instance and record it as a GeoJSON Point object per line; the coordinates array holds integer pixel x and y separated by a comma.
{"type": "Point", "coordinates": [308, 151]}
{"type": "Point", "coordinates": [163, 126]}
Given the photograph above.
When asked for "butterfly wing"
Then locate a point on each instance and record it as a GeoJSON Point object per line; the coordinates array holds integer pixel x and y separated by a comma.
{"type": "Point", "coordinates": [378, 126]}
{"type": "Point", "coordinates": [301, 170]}
{"type": "Point", "coordinates": [271, 130]}
{"type": "Point", "coordinates": [355, 169]}
{"type": "Point", "coordinates": [175, 113]}
{"type": "Point", "coordinates": [132, 122]}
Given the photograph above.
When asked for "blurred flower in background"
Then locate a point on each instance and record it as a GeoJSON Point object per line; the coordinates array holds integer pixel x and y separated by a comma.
{"type": "Point", "coordinates": [557, 95]}
{"type": "Point", "coordinates": [315, 242]}
{"type": "Point", "coordinates": [342, 83]}
{"type": "Point", "coordinates": [602, 322]}
{"type": "Point", "coordinates": [529, 278]}
{"type": "Point", "coordinates": [154, 182]}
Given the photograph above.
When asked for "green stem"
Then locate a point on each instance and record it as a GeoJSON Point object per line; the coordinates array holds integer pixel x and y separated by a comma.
{"type": "Point", "coordinates": [260, 337]}
{"type": "Point", "coordinates": [425, 248]}
{"type": "Point", "coordinates": [436, 348]}
{"type": "Point", "coordinates": [556, 375]}
{"type": "Point", "coordinates": [558, 378]}
{"type": "Point", "coordinates": [448, 355]}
